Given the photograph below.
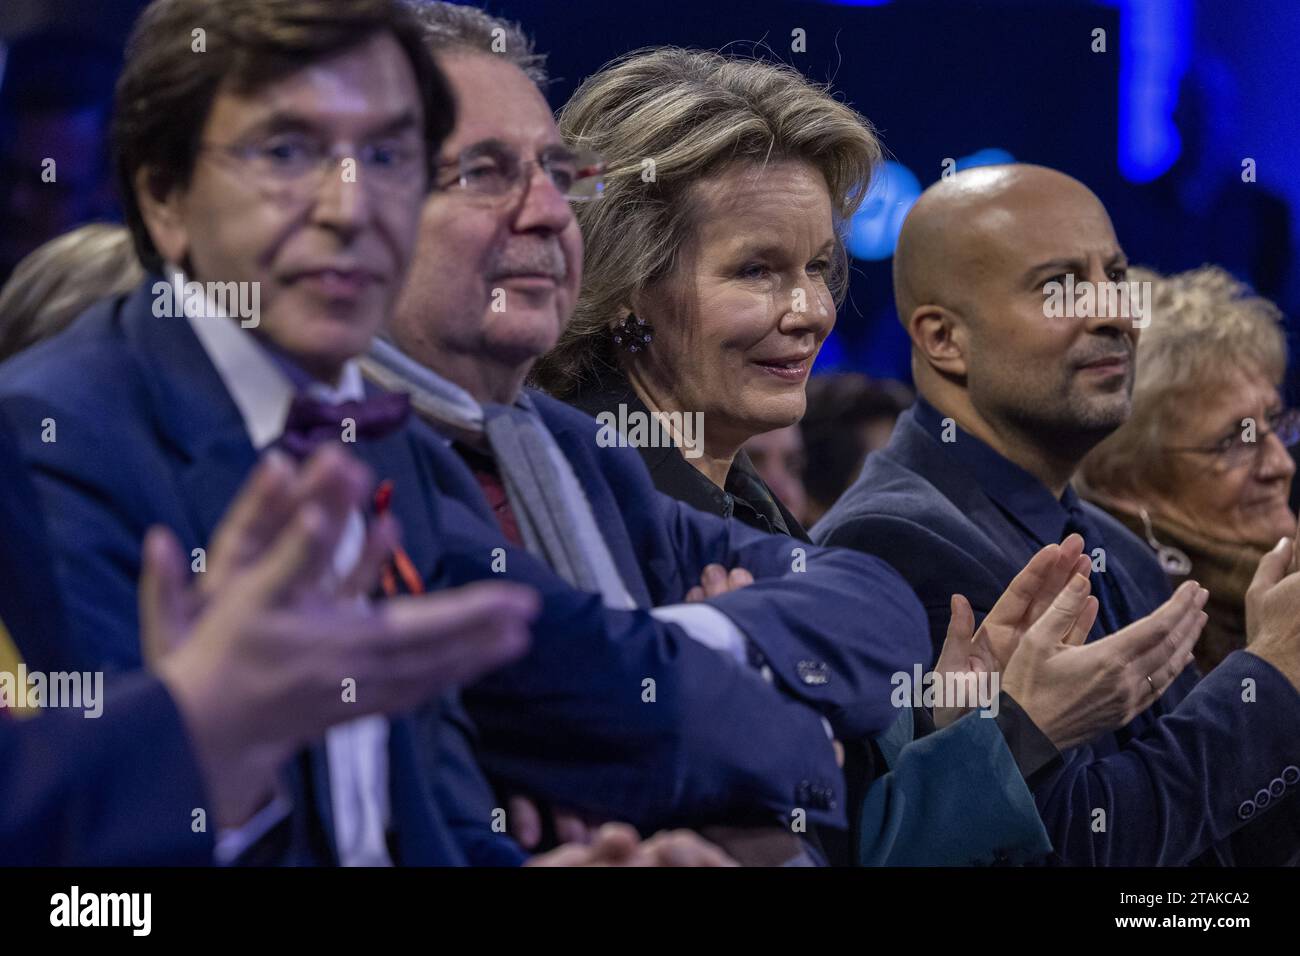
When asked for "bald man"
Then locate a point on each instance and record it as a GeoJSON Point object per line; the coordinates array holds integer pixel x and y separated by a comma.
{"type": "Point", "coordinates": [1015, 386]}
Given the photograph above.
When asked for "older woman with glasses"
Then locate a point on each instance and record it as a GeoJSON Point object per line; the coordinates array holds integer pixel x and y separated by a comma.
{"type": "Point", "coordinates": [1201, 470]}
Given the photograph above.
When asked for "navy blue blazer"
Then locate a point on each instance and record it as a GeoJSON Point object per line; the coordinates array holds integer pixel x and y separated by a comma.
{"type": "Point", "coordinates": [146, 433]}
{"type": "Point", "coordinates": [116, 790]}
{"type": "Point", "coordinates": [914, 812]}
{"type": "Point", "coordinates": [29, 599]}
{"type": "Point", "coordinates": [830, 627]}
{"type": "Point", "coordinates": [1178, 782]}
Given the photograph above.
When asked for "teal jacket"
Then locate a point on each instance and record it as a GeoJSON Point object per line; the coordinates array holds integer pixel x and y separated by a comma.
{"type": "Point", "coordinates": [952, 798]}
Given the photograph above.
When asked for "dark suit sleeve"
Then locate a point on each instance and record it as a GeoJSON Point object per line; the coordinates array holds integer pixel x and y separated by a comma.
{"type": "Point", "coordinates": [1204, 771]}
{"type": "Point", "coordinates": [30, 605]}
{"type": "Point", "coordinates": [1273, 839]}
{"type": "Point", "coordinates": [623, 715]}
{"type": "Point", "coordinates": [119, 789]}
{"type": "Point", "coordinates": [90, 503]}
{"type": "Point", "coordinates": [834, 625]}
{"type": "Point", "coordinates": [466, 798]}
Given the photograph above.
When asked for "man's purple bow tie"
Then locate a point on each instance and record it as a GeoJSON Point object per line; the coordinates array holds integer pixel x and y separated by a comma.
{"type": "Point", "coordinates": [312, 422]}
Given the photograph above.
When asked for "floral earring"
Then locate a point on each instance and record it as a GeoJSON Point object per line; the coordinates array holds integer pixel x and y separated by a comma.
{"type": "Point", "coordinates": [632, 334]}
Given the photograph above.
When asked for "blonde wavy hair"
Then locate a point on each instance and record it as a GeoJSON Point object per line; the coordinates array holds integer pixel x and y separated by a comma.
{"type": "Point", "coordinates": [61, 279]}
{"type": "Point", "coordinates": [1204, 324]}
{"type": "Point", "coordinates": [693, 113]}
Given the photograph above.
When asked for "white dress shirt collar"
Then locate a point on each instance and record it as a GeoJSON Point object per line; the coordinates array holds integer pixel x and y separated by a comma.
{"type": "Point", "coordinates": [260, 388]}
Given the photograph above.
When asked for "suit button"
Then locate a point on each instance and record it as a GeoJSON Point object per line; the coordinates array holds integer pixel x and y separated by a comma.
{"type": "Point", "coordinates": [813, 673]}
{"type": "Point", "coordinates": [1291, 775]}
{"type": "Point", "coordinates": [1262, 798]}
{"type": "Point", "coordinates": [1246, 810]}
{"type": "Point", "coordinates": [1277, 787]}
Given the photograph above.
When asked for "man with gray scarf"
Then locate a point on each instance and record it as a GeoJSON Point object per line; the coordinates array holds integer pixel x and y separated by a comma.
{"type": "Point", "coordinates": [793, 645]}
{"type": "Point", "coordinates": [762, 666]}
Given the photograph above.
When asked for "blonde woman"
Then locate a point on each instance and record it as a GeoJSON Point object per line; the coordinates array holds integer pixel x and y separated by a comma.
{"type": "Point", "coordinates": [714, 261]}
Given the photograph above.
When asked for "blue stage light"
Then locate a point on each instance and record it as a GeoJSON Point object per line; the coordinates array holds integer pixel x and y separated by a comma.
{"type": "Point", "coordinates": [991, 156]}
{"type": "Point", "coordinates": [874, 230]}
{"type": "Point", "coordinates": [1155, 48]}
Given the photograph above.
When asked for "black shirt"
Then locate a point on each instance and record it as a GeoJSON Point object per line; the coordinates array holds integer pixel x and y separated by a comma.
{"type": "Point", "coordinates": [745, 496]}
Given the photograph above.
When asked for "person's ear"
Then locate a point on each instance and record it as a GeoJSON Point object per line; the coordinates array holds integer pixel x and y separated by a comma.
{"type": "Point", "coordinates": [162, 209]}
{"type": "Point", "coordinates": [940, 338]}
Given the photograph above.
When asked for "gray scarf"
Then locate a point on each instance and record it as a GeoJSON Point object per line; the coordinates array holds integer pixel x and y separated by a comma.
{"type": "Point", "coordinates": [549, 504]}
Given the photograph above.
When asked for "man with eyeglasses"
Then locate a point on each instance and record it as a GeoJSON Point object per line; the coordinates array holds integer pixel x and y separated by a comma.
{"type": "Point", "coordinates": [752, 671]}
{"type": "Point", "coordinates": [977, 477]}
{"type": "Point", "coordinates": [284, 147]}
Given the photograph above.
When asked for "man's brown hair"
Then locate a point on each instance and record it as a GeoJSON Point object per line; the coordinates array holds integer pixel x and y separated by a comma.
{"type": "Point", "coordinates": [167, 85]}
